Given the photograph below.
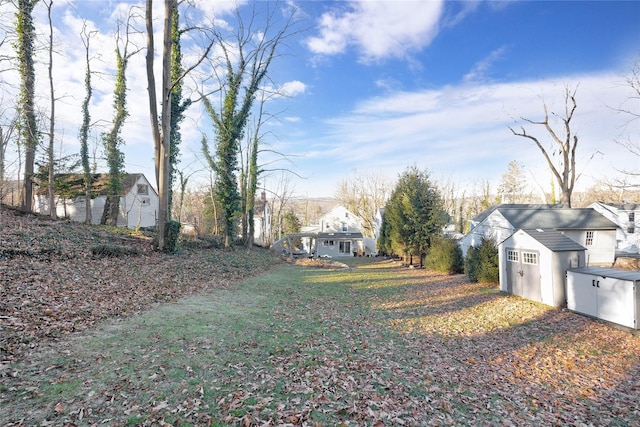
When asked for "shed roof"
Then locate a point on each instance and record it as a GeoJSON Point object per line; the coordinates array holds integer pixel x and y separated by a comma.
{"type": "Point", "coordinates": [555, 240]}
{"type": "Point", "coordinates": [558, 219]}
{"type": "Point", "coordinates": [621, 206]}
{"type": "Point", "coordinates": [609, 272]}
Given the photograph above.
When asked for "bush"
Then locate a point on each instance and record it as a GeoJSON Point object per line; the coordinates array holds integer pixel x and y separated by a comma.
{"type": "Point", "coordinates": [445, 255]}
{"type": "Point", "coordinates": [481, 264]}
{"type": "Point", "coordinates": [471, 263]}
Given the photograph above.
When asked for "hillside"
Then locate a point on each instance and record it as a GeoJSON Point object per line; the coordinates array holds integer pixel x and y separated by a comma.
{"type": "Point", "coordinates": [60, 277]}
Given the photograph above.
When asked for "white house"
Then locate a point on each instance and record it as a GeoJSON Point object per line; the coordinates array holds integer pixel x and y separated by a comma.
{"type": "Point", "coordinates": [627, 217]}
{"type": "Point", "coordinates": [138, 200]}
{"type": "Point", "coordinates": [584, 226]}
{"type": "Point", "coordinates": [262, 217]}
{"type": "Point", "coordinates": [338, 234]}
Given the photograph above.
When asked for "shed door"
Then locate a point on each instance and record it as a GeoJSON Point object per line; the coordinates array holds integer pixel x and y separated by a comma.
{"type": "Point", "coordinates": [523, 273]}
{"type": "Point", "coordinates": [615, 301]}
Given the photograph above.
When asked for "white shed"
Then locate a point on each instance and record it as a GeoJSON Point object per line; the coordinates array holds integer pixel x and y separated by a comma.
{"type": "Point", "coordinates": [533, 264]}
{"type": "Point", "coordinates": [606, 293]}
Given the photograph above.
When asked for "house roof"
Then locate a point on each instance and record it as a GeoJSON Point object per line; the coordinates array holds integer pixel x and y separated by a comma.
{"type": "Point", "coordinates": [73, 184]}
{"type": "Point", "coordinates": [484, 214]}
{"type": "Point", "coordinates": [555, 240]}
{"type": "Point", "coordinates": [340, 235]}
{"type": "Point", "coordinates": [558, 219]}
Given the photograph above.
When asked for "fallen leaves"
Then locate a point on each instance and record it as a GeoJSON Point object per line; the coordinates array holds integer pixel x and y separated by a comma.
{"type": "Point", "coordinates": [53, 286]}
{"type": "Point", "coordinates": [376, 344]}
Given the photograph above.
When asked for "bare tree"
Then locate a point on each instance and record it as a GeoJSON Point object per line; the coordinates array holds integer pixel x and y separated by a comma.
{"type": "Point", "coordinates": [631, 141]}
{"type": "Point", "coordinates": [282, 194]}
{"type": "Point", "coordinates": [363, 193]}
{"type": "Point", "coordinates": [161, 131]}
{"type": "Point", "coordinates": [564, 144]}
{"type": "Point", "coordinates": [52, 120]}
{"type": "Point", "coordinates": [513, 188]}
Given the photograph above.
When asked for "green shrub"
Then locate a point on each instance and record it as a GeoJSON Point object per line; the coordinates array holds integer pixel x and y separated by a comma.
{"type": "Point", "coordinates": [489, 270]}
{"type": "Point", "coordinates": [445, 255]}
{"type": "Point", "coordinates": [471, 263]}
{"type": "Point", "coordinates": [481, 264]}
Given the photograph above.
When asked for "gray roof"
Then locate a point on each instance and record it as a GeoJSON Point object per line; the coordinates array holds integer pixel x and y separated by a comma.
{"type": "Point", "coordinates": [340, 235]}
{"type": "Point", "coordinates": [609, 272]}
{"type": "Point", "coordinates": [482, 215]}
{"type": "Point", "coordinates": [623, 206]}
{"type": "Point", "coordinates": [555, 240]}
{"type": "Point", "coordinates": [558, 219]}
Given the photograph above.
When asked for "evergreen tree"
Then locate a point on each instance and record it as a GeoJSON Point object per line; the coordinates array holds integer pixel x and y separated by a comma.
{"type": "Point", "coordinates": [413, 215]}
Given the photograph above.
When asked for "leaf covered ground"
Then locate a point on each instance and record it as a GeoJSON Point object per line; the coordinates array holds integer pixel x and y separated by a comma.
{"type": "Point", "coordinates": [375, 344]}
{"type": "Point", "coordinates": [56, 278]}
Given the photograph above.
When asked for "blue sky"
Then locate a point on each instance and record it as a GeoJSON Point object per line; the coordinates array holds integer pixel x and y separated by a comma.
{"type": "Point", "coordinates": [376, 87]}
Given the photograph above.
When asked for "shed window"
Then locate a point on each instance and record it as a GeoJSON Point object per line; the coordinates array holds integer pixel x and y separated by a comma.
{"type": "Point", "coordinates": [327, 242]}
{"type": "Point", "coordinates": [512, 256]}
{"type": "Point", "coordinates": [589, 239]}
{"type": "Point", "coordinates": [529, 258]}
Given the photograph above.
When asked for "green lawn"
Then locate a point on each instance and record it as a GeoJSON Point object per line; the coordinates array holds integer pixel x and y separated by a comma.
{"type": "Point", "coordinates": [374, 344]}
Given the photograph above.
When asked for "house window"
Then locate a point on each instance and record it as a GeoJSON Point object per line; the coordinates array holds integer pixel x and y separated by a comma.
{"type": "Point", "coordinates": [345, 248]}
{"type": "Point", "coordinates": [143, 189]}
{"type": "Point", "coordinates": [145, 201]}
{"type": "Point", "coordinates": [589, 239]}
{"type": "Point", "coordinates": [632, 223]}
{"type": "Point", "coordinates": [345, 227]}
{"type": "Point", "coordinates": [529, 258]}
{"type": "Point", "coordinates": [512, 256]}
{"type": "Point", "coordinates": [327, 243]}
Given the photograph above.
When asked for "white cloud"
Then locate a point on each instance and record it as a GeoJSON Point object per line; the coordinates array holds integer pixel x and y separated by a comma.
{"type": "Point", "coordinates": [482, 68]}
{"type": "Point", "coordinates": [461, 131]}
{"type": "Point", "coordinates": [378, 29]}
{"type": "Point", "coordinates": [293, 88]}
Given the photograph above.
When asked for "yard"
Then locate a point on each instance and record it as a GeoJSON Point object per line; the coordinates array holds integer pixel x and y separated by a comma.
{"type": "Point", "coordinates": [373, 344]}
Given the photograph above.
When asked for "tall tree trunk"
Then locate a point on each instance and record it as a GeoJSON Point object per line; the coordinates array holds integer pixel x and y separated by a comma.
{"type": "Point", "coordinates": [52, 193]}
{"type": "Point", "coordinates": [84, 130]}
{"type": "Point", "coordinates": [161, 132]}
{"type": "Point", "coordinates": [28, 125]}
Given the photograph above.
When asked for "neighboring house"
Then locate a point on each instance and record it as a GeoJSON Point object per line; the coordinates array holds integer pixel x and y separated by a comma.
{"type": "Point", "coordinates": [485, 213]}
{"type": "Point", "coordinates": [262, 215]}
{"type": "Point", "coordinates": [338, 234]}
{"type": "Point", "coordinates": [627, 217]}
{"type": "Point", "coordinates": [533, 264]}
{"type": "Point", "coordinates": [138, 200]}
{"type": "Point", "coordinates": [584, 226]}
